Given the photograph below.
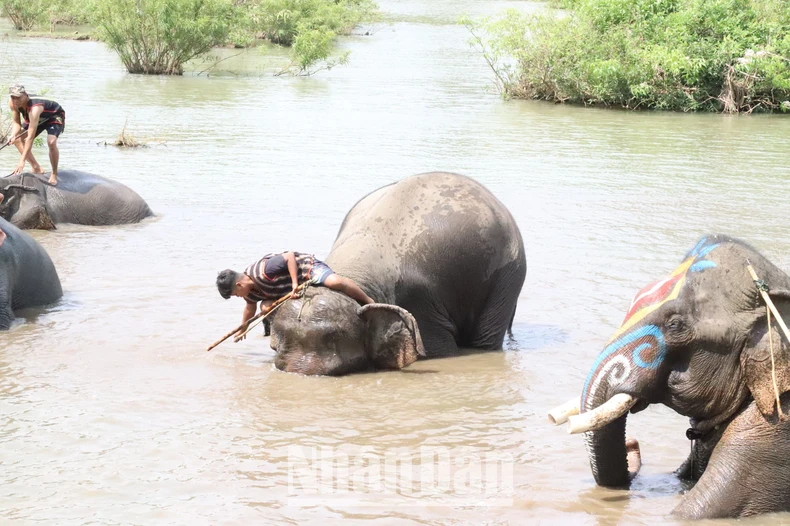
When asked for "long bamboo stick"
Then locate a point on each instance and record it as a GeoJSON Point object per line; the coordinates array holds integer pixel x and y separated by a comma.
{"type": "Point", "coordinates": [247, 325]}
{"type": "Point", "coordinates": [23, 132]}
{"type": "Point", "coordinates": [12, 141]}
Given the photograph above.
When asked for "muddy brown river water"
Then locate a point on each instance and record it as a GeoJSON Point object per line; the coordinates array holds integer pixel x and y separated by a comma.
{"type": "Point", "coordinates": [111, 411]}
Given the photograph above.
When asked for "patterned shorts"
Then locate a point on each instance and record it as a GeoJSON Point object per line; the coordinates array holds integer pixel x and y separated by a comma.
{"type": "Point", "coordinates": [320, 272]}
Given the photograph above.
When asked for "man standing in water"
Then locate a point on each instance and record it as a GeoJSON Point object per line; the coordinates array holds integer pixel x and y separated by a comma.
{"type": "Point", "coordinates": [275, 275]}
{"type": "Point", "coordinates": [39, 114]}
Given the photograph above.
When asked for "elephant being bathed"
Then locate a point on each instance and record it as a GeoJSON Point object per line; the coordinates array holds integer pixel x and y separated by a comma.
{"type": "Point", "coordinates": [80, 198]}
{"type": "Point", "coordinates": [699, 342]}
{"type": "Point", "coordinates": [442, 258]}
{"type": "Point", "coordinates": [27, 276]}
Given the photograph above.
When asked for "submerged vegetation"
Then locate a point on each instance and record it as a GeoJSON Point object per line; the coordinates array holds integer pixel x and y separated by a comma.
{"type": "Point", "coordinates": [690, 55]}
{"type": "Point", "coordinates": [160, 36]}
{"type": "Point", "coordinates": [125, 140]}
{"type": "Point", "coordinates": [309, 27]}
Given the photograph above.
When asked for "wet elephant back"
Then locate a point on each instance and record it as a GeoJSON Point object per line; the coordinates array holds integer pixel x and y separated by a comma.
{"type": "Point", "coordinates": [28, 269]}
{"type": "Point", "coordinates": [436, 238]}
{"type": "Point", "coordinates": [89, 199]}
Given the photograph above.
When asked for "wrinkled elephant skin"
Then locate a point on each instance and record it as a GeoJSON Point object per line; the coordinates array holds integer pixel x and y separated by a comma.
{"type": "Point", "coordinates": [27, 275]}
{"type": "Point", "coordinates": [443, 259]}
{"type": "Point", "coordinates": [79, 198]}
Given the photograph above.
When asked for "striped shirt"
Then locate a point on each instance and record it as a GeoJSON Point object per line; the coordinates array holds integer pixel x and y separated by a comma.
{"type": "Point", "coordinates": [274, 286]}
{"type": "Point", "coordinates": [52, 111]}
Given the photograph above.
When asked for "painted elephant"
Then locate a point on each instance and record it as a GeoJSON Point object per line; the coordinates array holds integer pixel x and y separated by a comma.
{"type": "Point", "coordinates": [27, 276]}
{"type": "Point", "coordinates": [442, 258]}
{"type": "Point", "coordinates": [699, 342]}
{"type": "Point", "coordinates": [79, 198]}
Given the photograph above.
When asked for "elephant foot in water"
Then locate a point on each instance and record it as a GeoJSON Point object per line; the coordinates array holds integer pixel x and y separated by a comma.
{"type": "Point", "coordinates": [634, 456]}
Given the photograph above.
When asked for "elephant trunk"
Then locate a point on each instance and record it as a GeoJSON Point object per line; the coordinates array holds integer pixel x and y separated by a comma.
{"type": "Point", "coordinates": [606, 446]}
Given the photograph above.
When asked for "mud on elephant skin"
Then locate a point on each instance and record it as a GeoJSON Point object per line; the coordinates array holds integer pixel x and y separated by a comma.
{"type": "Point", "coordinates": [79, 198]}
{"type": "Point", "coordinates": [699, 342]}
{"type": "Point", "coordinates": [27, 275]}
{"type": "Point", "coordinates": [443, 259]}
{"type": "Point", "coordinates": [341, 337]}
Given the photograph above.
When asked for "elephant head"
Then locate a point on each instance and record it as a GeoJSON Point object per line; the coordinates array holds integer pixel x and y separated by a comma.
{"type": "Point", "coordinates": [327, 333]}
{"type": "Point", "coordinates": [696, 341]}
{"type": "Point", "coordinates": [24, 203]}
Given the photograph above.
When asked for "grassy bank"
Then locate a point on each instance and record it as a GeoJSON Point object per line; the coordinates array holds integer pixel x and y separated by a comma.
{"type": "Point", "coordinates": [688, 55]}
{"type": "Point", "coordinates": [160, 36]}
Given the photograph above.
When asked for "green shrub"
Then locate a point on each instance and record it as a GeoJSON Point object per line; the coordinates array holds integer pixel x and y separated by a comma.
{"type": "Point", "coordinates": [25, 14]}
{"type": "Point", "coordinates": [311, 52]}
{"type": "Point", "coordinates": [310, 27]}
{"type": "Point", "coordinates": [69, 12]}
{"type": "Point", "coordinates": [159, 36]}
{"type": "Point", "coordinates": [282, 20]}
{"type": "Point", "coordinates": [714, 55]}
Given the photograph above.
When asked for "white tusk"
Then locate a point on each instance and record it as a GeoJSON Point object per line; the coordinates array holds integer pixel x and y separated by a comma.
{"type": "Point", "coordinates": [614, 408]}
{"type": "Point", "coordinates": [559, 415]}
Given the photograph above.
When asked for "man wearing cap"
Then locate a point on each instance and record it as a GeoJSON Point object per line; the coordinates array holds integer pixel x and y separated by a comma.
{"type": "Point", "coordinates": [39, 114]}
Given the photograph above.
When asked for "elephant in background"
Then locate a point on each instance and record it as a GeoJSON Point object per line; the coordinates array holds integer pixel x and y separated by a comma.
{"type": "Point", "coordinates": [444, 261]}
{"type": "Point", "coordinates": [80, 198]}
{"type": "Point", "coordinates": [699, 342]}
{"type": "Point", "coordinates": [27, 276]}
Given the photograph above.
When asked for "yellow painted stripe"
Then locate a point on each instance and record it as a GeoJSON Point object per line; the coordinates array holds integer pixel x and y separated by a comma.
{"type": "Point", "coordinates": [640, 314]}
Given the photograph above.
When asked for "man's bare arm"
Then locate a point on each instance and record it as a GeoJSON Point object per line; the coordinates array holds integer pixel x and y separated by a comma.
{"type": "Point", "coordinates": [35, 114]}
{"type": "Point", "coordinates": [16, 126]}
{"type": "Point", "coordinates": [290, 259]}
{"type": "Point", "coordinates": [249, 312]}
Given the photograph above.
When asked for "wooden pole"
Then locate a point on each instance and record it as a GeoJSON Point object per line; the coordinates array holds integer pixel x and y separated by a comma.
{"type": "Point", "coordinates": [768, 302]}
{"type": "Point", "coordinates": [23, 132]}
{"type": "Point", "coordinates": [256, 321]}
{"type": "Point", "coordinates": [259, 317]}
{"type": "Point", "coordinates": [13, 140]}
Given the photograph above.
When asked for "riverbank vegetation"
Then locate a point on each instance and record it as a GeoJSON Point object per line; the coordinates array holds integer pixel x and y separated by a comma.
{"type": "Point", "coordinates": [690, 55]}
{"type": "Point", "coordinates": [160, 36]}
{"type": "Point", "coordinates": [28, 14]}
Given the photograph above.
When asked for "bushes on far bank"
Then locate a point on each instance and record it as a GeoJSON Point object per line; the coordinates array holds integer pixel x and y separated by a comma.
{"type": "Point", "coordinates": [308, 27]}
{"type": "Point", "coordinates": [27, 14]}
{"type": "Point", "coordinates": [283, 21]}
{"type": "Point", "coordinates": [708, 55]}
{"type": "Point", "coordinates": [24, 14]}
{"type": "Point", "coordinates": [160, 36]}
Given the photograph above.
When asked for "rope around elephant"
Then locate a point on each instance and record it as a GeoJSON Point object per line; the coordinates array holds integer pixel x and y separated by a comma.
{"type": "Point", "coordinates": [762, 286]}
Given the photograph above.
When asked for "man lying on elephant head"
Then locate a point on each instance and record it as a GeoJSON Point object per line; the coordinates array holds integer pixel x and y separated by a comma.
{"type": "Point", "coordinates": [275, 275]}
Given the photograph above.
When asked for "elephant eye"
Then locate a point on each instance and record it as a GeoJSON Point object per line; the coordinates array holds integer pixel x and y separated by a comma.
{"type": "Point", "coordinates": [675, 323]}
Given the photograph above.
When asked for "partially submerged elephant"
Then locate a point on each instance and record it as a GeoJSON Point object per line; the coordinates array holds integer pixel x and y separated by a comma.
{"type": "Point", "coordinates": [443, 259]}
{"type": "Point", "coordinates": [698, 342]}
{"type": "Point", "coordinates": [79, 198]}
{"type": "Point", "coordinates": [27, 275]}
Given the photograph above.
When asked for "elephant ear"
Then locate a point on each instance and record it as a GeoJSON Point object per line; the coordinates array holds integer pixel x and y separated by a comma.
{"type": "Point", "coordinates": [767, 378]}
{"type": "Point", "coordinates": [392, 338]}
